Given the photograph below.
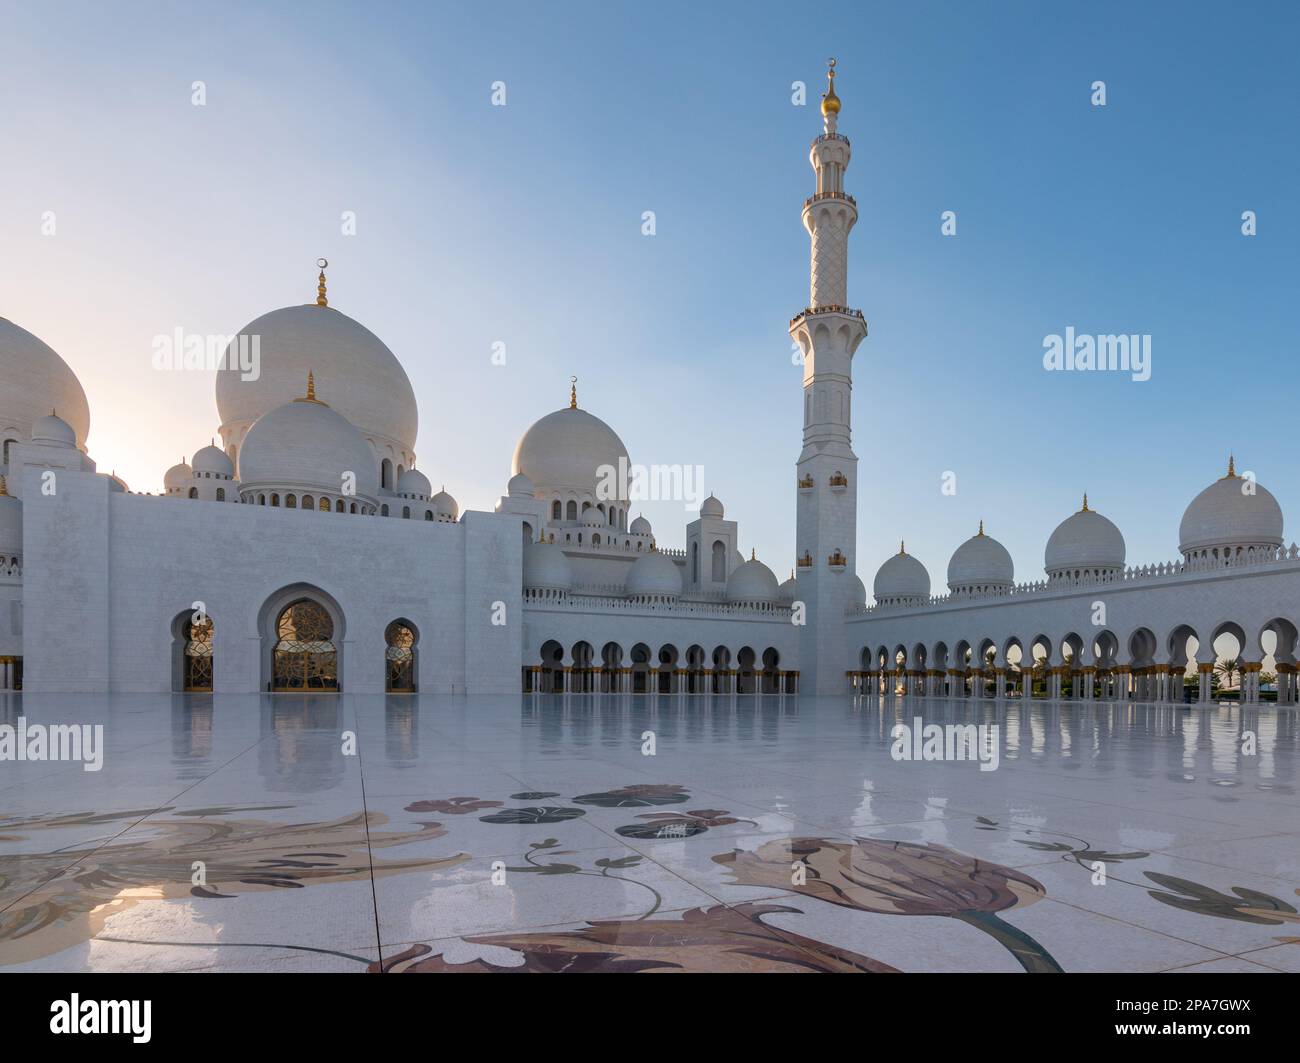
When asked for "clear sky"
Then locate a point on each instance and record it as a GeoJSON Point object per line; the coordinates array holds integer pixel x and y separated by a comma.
{"type": "Point", "coordinates": [522, 225]}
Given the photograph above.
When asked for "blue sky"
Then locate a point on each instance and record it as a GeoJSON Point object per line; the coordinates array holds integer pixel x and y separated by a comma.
{"type": "Point", "coordinates": [521, 224]}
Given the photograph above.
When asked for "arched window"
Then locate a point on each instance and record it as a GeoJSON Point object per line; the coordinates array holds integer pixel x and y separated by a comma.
{"type": "Point", "coordinates": [571, 510]}
{"type": "Point", "coordinates": [323, 505]}
{"type": "Point", "coordinates": [399, 657]}
{"type": "Point", "coordinates": [354, 507]}
{"type": "Point", "coordinates": [386, 474]}
{"type": "Point", "coordinates": [198, 655]}
{"type": "Point", "coordinates": [555, 510]}
{"type": "Point", "coordinates": [221, 494]}
{"type": "Point", "coordinates": [194, 492]}
{"type": "Point", "coordinates": [290, 501]}
{"type": "Point", "coordinates": [428, 514]}
{"type": "Point", "coordinates": [383, 510]}
{"type": "Point", "coordinates": [719, 574]}
{"type": "Point", "coordinates": [305, 657]}
{"type": "Point", "coordinates": [339, 507]}
{"type": "Point", "coordinates": [406, 512]}
{"type": "Point", "coordinates": [275, 499]}
{"type": "Point", "coordinates": [308, 502]}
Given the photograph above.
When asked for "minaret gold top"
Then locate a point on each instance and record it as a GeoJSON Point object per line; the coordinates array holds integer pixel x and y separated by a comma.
{"type": "Point", "coordinates": [573, 392]}
{"type": "Point", "coordinates": [321, 263]}
{"type": "Point", "coordinates": [1085, 503]}
{"type": "Point", "coordinates": [830, 102]}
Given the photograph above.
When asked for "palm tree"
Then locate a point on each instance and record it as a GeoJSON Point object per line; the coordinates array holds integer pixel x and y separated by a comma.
{"type": "Point", "coordinates": [1227, 671]}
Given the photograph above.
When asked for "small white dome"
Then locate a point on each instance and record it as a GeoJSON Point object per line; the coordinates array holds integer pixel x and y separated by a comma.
{"type": "Point", "coordinates": [444, 506]}
{"type": "Point", "coordinates": [177, 477]}
{"type": "Point", "coordinates": [901, 579]}
{"type": "Point", "coordinates": [414, 482]}
{"type": "Point", "coordinates": [981, 561]}
{"type": "Point", "coordinates": [1085, 541]}
{"type": "Point", "coordinates": [213, 460]}
{"type": "Point", "coordinates": [305, 444]}
{"type": "Point", "coordinates": [753, 583]}
{"type": "Point", "coordinates": [712, 507]}
{"type": "Point", "coordinates": [520, 486]}
{"type": "Point", "coordinates": [11, 525]}
{"type": "Point", "coordinates": [788, 592]}
{"type": "Point", "coordinates": [859, 590]}
{"type": "Point", "coordinates": [116, 483]}
{"type": "Point", "coordinates": [546, 568]}
{"type": "Point", "coordinates": [54, 430]}
{"type": "Point", "coordinates": [567, 449]}
{"type": "Point", "coordinates": [1232, 512]}
{"type": "Point", "coordinates": [34, 380]}
{"type": "Point", "coordinates": [640, 526]}
{"type": "Point", "coordinates": [654, 575]}
{"type": "Point", "coordinates": [366, 383]}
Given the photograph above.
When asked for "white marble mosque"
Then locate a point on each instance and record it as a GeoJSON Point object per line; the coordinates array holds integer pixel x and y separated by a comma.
{"type": "Point", "coordinates": [366, 579]}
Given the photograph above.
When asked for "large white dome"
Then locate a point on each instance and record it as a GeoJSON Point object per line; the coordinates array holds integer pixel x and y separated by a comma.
{"type": "Point", "coordinates": [981, 562]}
{"type": "Point", "coordinates": [414, 483]}
{"type": "Point", "coordinates": [901, 579]}
{"type": "Point", "coordinates": [566, 450]}
{"type": "Point", "coordinates": [305, 444]}
{"type": "Point", "coordinates": [753, 583]}
{"type": "Point", "coordinates": [359, 376]}
{"type": "Point", "coordinates": [178, 476]}
{"type": "Point", "coordinates": [1084, 542]}
{"type": "Point", "coordinates": [1232, 512]}
{"type": "Point", "coordinates": [213, 460]}
{"type": "Point", "coordinates": [654, 575]}
{"type": "Point", "coordinates": [33, 381]}
{"type": "Point", "coordinates": [546, 568]}
{"type": "Point", "coordinates": [788, 591]}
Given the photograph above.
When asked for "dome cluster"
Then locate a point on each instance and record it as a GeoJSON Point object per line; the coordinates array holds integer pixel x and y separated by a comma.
{"type": "Point", "coordinates": [1234, 518]}
{"type": "Point", "coordinates": [350, 449]}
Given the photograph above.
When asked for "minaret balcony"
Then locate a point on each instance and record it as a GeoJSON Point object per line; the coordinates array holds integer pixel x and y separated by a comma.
{"type": "Point", "coordinates": [813, 311]}
{"type": "Point", "coordinates": [829, 136]}
{"type": "Point", "coordinates": [806, 483]}
{"type": "Point", "coordinates": [838, 483]}
{"type": "Point", "coordinates": [817, 196]}
{"type": "Point", "coordinates": [805, 561]}
{"type": "Point", "coordinates": [837, 560]}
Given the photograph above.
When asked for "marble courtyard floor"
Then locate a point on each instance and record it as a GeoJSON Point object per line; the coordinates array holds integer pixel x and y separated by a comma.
{"type": "Point", "coordinates": [533, 834]}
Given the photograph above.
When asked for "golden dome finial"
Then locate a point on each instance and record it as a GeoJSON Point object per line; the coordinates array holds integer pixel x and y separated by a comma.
{"type": "Point", "coordinates": [753, 554]}
{"type": "Point", "coordinates": [573, 392]}
{"type": "Point", "coordinates": [1085, 503]}
{"type": "Point", "coordinates": [1232, 467]}
{"type": "Point", "coordinates": [830, 102]}
{"type": "Point", "coordinates": [321, 263]}
{"type": "Point", "coordinates": [902, 547]}
{"type": "Point", "coordinates": [981, 531]}
{"type": "Point", "coordinates": [311, 391]}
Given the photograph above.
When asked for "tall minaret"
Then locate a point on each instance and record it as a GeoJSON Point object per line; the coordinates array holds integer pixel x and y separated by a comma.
{"type": "Point", "coordinates": [828, 333]}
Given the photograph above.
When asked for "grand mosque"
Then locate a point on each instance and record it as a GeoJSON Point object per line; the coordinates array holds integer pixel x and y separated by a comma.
{"type": "Point", "coordinates": [308, 552]}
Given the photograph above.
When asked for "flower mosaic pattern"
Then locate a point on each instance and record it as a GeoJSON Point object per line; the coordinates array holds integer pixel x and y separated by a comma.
{"type": "Point", "coordinates": [66, 895]}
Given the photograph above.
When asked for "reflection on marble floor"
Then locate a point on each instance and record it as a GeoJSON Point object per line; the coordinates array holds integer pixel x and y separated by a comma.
{"type": "Point", "coordinates": [520, 834]}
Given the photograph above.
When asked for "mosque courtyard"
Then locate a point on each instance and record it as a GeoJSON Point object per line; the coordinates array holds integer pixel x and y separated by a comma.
{"type": "Point", "coordinates": [630, 833]}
